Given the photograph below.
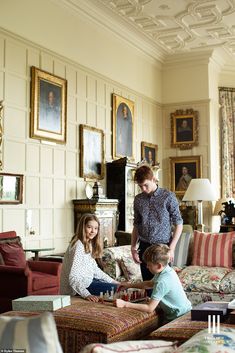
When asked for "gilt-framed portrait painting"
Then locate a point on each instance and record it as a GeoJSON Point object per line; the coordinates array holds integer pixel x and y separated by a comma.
{"type": "Point", "coordinates": [149, 153]}
{"type": "Point", "coordinates": [123, 127]}
{"type": "Point", "coordinates": [184, 129]}
{"type": "Point", "coordinates": [48, 106]}
{"type": "Point", "coordinates": [91, 152]}
{"type": "Point", "coordinates": [183, 170]}
{"type": "Point", "coordinates": [11, 188]}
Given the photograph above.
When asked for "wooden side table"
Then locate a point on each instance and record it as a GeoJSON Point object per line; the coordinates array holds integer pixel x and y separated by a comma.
{"type": "Point", "coordinates": [224, 228]}
{"type": "Point", "coordinates": [36, 251]}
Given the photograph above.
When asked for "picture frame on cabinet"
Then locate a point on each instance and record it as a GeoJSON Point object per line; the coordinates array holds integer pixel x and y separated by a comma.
{"type": "Point", "coordinates": [48, 119]}
{"type": "Point", "coordinates": [184, 129]}
{"type": "Point", "coordinates": [123, 127]}
{"type": "Point", "coordinates": [91, 152]}
{"type": "Point", "coordinates": [149, 153]}
{"type": "Point", "coordinates": [182, 170]}
{"type": "Point", "coordinates": [11, 188]}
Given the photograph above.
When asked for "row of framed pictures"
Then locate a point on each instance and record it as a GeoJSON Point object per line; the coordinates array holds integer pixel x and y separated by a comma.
{"type": "Point", "coordinates": [92, 152]}
{"type": "Point", "coordinates": [48, 117]}
{"type": "Point", "coordinates": [48, 122]}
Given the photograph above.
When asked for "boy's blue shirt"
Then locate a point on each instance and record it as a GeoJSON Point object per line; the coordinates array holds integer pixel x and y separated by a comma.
{"type": "Point", "coordinates": [169, 291]}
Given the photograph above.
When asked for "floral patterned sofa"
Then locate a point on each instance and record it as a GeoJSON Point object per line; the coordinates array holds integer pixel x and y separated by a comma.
{"type": "Point", "coordinates": [201, 283]}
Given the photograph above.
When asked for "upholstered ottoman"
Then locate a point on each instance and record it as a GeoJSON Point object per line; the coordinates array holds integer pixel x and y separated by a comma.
{"type": "Point", "coordinates": [84, 322]}
{"type": "Point", "coordinates": [181, 329]}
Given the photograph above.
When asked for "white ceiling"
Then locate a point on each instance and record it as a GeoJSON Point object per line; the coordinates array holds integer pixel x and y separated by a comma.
{"type": "Point", "coordinates": [163, 28]}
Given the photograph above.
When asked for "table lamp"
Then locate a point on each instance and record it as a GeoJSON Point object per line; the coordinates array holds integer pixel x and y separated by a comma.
{"type": "Point", "coordinates": [200, 190]}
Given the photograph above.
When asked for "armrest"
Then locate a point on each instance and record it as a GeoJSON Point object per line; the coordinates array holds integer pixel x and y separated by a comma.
{"type": "Point", "coordinates": [53, 268]}
{"type": "Point", "coordinates": [14, 281]}
{"type": "Point", "coordinates": [14, 270]}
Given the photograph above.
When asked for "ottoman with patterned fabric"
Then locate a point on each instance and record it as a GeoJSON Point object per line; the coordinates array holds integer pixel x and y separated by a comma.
{"type": "Point", "coordinates": [181, 329]}
{"type": "Point", "coordinates": [84, 322]}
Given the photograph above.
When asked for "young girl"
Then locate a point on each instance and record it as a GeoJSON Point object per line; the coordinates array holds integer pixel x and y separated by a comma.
{"type": "Point", "coordinates": [80, 272]}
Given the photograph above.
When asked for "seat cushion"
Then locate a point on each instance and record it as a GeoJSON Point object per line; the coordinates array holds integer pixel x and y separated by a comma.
{"type": "Point", "coordinates": [42, 280]}
{"type": "Point", "coordinates": [202, 278]}
{"type": "Point", "coordinates": [13, 253]}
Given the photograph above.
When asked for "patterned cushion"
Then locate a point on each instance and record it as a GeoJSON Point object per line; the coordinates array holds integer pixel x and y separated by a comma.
{"type": "Point", "coordinates": [35, 335]}
{"type": "Point", "coordinates": [181, 250]}
{"type": "Point", "coordinates": [111, 257]}
{"type": "Point", "coordinates": [213, 249]}
{"type": "Point", "coordinates": [227, 285]}
{"type": "Point", "coordinates": [130, 269]}
{"type": "Point", "coordinates": [224, 341]}
{"type": "Point", "coordinates": [199, 278]}
{"type": "Point", "coordinates": [131, 346]}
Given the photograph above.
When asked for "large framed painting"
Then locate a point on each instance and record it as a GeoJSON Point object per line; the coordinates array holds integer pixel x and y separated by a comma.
{"type": "Point", "coordinates": [91, 152]}
{"type": "Point", "coordinates": [11, 188]}
{"type": "Point", "coordinates": [48, 106]}
{"type": "Point", "coordinates": [123, 127]}
{"type": "Point", "coordinates": [149, 153]}
{"type": "Point", "coordinates": [184, 129]}
{"type": "Point", "coordinates": [183, 170]}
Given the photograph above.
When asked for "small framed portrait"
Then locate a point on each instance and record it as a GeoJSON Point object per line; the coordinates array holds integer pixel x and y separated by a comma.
{"type": "Point", "coordinates": [91, 152]}
{"type": "Point", "coordinates": [48, 106]}
{"type": "Point", "coordinates": [183, 170]}
{"type": "Point", "coordinates": [149, 153]}
{"type": "Point", "coordinates": [11, 188]}
{"type": "Point", "coordinates": [123, 125]}
{"type": "Point", "coordinates": [184, 129]}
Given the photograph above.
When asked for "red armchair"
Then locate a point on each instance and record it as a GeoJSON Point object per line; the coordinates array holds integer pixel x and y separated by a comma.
{"type": "Point", "coordinates": [27, 277]}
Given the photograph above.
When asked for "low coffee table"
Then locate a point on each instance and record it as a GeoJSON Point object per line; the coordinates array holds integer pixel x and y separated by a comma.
{"type": "Point", "coordinates": [84, 322]}
{"type": "Point", "coordinates": [181, 329]}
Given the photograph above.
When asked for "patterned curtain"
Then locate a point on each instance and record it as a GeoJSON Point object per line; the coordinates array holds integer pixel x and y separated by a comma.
{"type": "Point", "coordinates": [227, 102]}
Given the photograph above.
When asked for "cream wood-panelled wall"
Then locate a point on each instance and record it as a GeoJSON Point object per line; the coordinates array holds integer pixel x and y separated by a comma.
{"type": "Point", "coordinates": [51, 172]}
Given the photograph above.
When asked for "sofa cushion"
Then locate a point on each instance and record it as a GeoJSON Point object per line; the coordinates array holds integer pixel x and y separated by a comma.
{"type": "Point", "coordinates": [202, 278]}
{"type": "Point", "coordinates": [131, 346]}
{"type": "Point", "coordinates": [224, 341]}
{"type": "Point", "coordinates": [13, 254]}
{"type": "Point", "coordinates": [111, 257]}
{"type": "Point", "coordinates": [35, 334]}
{"type": "Point", "coordinates": [130, 269]}
{"type": "Point", "coordinates": [213, 249]}
{"type": "Point", "coordinates": [181, 250]}
{"type": "Point", "coordinates": [227, 284]}
{"type": "Point", "coordinates": [42, 280]}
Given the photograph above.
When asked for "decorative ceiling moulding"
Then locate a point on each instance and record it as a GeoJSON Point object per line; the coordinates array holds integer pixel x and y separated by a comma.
{"type": "Point", "coordinates": [179, 26]}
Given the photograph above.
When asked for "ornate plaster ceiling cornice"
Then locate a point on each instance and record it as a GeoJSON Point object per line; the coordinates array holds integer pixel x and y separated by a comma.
{"type": "Point", "coordinates": [164, 28]}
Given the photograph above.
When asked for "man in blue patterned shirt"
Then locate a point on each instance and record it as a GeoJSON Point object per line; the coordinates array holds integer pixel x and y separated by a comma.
{"type": "Point", "coordinates": [155, 211]}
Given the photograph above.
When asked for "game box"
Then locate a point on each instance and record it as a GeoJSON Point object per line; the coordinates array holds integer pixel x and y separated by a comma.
{"type": "Point", "coordinates": [201, 311]}
{"type": "Point", "coordinates": [41, 302]}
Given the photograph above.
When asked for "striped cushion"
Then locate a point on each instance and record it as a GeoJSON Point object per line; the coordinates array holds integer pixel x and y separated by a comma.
{"type": "Point", "coordinates": [181, 250]}
{"type": "Point", "coordinates": [213, 249]}
{"type": "Point", "coordinates": [35, 334]}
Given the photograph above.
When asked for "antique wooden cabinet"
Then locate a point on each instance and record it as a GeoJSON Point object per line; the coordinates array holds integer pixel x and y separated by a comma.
{"type": "Point", "coordinates": [121, 186]}
{"type": "Point", "coordinates": [107, 212]}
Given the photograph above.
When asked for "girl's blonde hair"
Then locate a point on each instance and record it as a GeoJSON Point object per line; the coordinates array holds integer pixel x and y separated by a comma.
{"type": "Point", "coordinates": [80, 234]}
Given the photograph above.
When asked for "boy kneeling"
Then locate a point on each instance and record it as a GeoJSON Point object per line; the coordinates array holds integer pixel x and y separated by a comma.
{"type": "Point", "coordinates": [167, 288]}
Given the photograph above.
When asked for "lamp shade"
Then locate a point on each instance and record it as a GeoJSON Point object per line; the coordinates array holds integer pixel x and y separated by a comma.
{"type": "Point", "coordinates": [200, 190]}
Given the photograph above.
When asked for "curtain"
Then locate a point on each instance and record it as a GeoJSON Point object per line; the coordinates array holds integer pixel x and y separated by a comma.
{"type": "Point", "coordinates": [227, 102]}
